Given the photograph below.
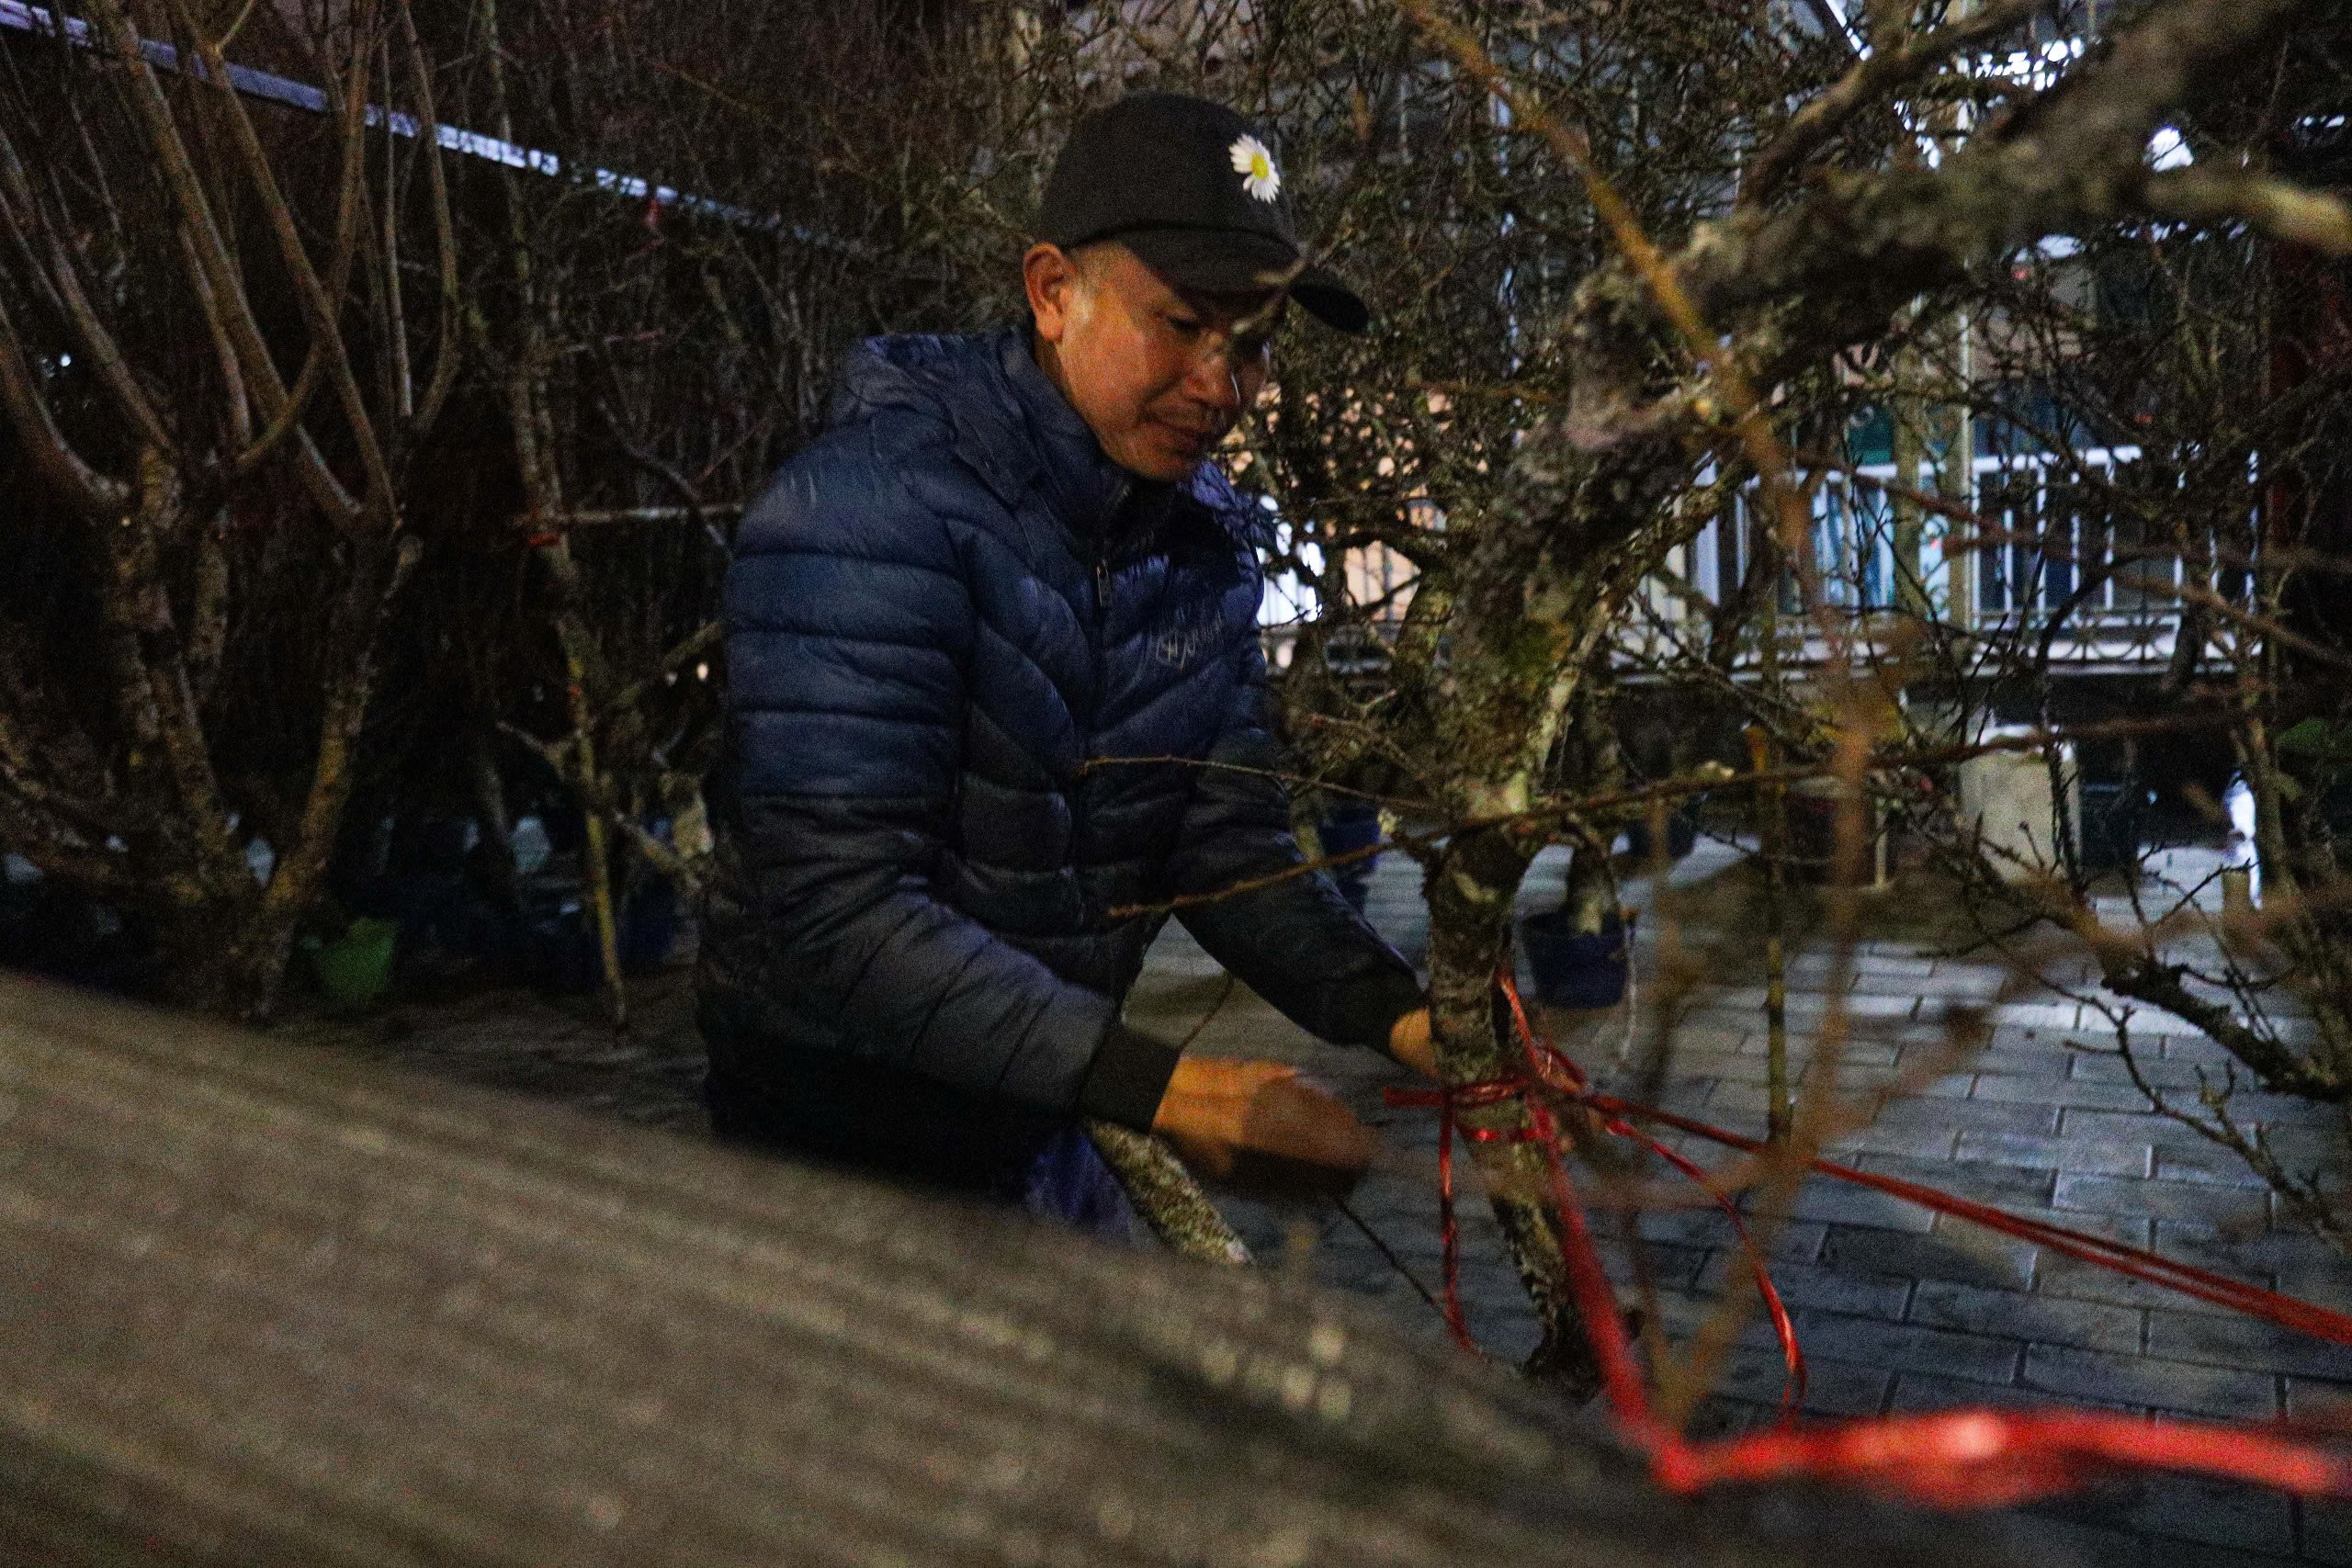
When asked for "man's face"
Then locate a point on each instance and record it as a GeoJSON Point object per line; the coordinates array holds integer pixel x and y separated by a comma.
{"type": "Point", "coordinates": [1159, 373]}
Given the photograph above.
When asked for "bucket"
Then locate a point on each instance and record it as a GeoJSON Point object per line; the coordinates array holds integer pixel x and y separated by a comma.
{"type": "Point", "coordinates": [1574, 969]}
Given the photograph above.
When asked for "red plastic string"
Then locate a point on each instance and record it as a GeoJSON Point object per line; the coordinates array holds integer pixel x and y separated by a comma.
{"type": "Point", "coordinates": [1783, 1329]}
{"type": "Point", "coordinates": [1953, 1459]}
{"type": "Point", "coordinates": [1992, 1459]}
{"type": "Point", "coordinates": [1543, 1132]}
{"type": "Point", "coordinates": [1540, 1052]}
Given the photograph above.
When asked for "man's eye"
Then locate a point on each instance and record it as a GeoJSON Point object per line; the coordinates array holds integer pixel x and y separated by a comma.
{"type": "Point", "coordinates": [1185, 325]}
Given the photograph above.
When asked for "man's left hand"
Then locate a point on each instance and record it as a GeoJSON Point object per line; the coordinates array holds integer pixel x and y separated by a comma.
{"type": "Point", "coordinates": [1409, 1042]}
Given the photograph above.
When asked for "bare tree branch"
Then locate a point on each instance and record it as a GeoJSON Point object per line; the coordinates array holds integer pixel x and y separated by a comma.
{"type": "Point", "coordinates": [2270, 206]}
{"type": "Point", "coordinates": [1870, 78]}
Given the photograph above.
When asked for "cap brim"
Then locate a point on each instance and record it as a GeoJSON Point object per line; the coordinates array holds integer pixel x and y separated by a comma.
{"type": "Point", "coordinates": [1227, 261]}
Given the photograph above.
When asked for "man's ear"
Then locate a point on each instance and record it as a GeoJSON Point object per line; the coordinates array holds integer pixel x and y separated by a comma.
{"type": "Point", "coordinates": [1052, 280]}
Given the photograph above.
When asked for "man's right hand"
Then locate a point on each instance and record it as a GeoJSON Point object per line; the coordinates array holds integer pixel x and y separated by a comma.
{"type": "Point", "coordinates": [1252, 1125]}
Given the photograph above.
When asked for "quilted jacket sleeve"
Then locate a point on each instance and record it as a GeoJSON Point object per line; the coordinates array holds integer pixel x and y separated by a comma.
{"type": "Point", "coordinates": [1297, 942]}
{"type": "Point", "coordinates": [849, 622]}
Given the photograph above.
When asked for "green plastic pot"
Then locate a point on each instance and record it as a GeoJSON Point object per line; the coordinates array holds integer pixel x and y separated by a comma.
{"type": "Point", "coordinates": [357, 968]}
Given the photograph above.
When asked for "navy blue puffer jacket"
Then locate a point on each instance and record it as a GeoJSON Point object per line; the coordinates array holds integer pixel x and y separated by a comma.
{"type": "Point", "coordinates": [946, 619]}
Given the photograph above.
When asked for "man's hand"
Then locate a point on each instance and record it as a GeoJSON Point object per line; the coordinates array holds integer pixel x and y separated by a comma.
{"type": "Point", "coordinates": [1253, 1126]}
{"type": "Point", "coordinates": [1410, 1043]}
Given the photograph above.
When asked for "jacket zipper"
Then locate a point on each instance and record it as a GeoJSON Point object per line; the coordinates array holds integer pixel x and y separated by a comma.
{"type": "Point", "coordinates": [1100, 654]}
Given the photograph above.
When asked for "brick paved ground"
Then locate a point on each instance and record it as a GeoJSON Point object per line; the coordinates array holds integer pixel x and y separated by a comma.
{"type": "Point", "coordinates": [1897, 1309]}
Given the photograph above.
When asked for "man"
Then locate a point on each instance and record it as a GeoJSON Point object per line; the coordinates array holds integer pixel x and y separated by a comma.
{"type": "Point", "coordinates": [994, 673]}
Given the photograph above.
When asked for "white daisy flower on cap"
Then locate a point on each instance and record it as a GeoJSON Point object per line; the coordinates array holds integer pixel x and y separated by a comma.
{"type": "Point", "coordinates": [1256, 165]}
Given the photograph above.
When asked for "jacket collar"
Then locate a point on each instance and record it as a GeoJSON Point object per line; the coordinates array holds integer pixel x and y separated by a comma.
{"type": "Point", "coordinates": [1087, 488]}
{"type": "Point", "coordinates": [1012, 425]}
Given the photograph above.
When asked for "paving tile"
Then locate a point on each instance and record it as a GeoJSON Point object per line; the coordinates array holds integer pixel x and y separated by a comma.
{"type": "Point", "coordinates": [1950, 1086]}
{"type": "Point", "coordinates": [1972, 982]}
{"type": "Point", "coordinates": [2195, 1047]}
{"type": "Point", "coordinates": [1856, 1078]}
{"type": "Point", "coordinates": [2088, 1093]}
{"type": "Point", "coordinates": [2129, 1229]}
{"type": "Point", "coordinates": [1686, 1097]}
{"type": "Point", "coordinates": [1510, 1338]}
{"type": "Point", "coordinates": [1720, 1418]}
{"type": "Point", "coordinates": [2093, 1546]}
{"type": "Point", "coordinates": [1680, 1317]}
{"type": "Point", "coordinates": [2239, 1341]}
{"type": "Point", "coordinates": [1838, 1203]}
{"type": "Point", "coordinates": [1832, 1387]}
{"type": "Point", "coordinates": [2324, 1534]}
{"type": "Point", "coordinates": [2161, 1132]}
{"type": "Point", "coordinates": [2156, 1069]}
{"type": "Point", "coordinates": [2170, 1551]}
{"type": "Point", "coordinates": [1812, 1287]}
{"type": "Point", "coordinates": [1996, 1261]}
{"type": "Point", "coordinates": [1742, 1107]}
{"type": "Point", "coordinates": [1935, 1030]}
{"type": "Point", "coordinates": [1868, 983]}
{"type": "Point", "coordinates": [1698, 1227]}
{"type": "Point", "coordinates": [1986, 1181]}
{"type": "Point", "coordinates": [1710, 1015]}
{"type": "Point", "coordinates": [2019, 1315]}
{"type": "Point", "coordinates": [1929, 1143]}
{"type": "Point", "coordinates": [2320, 1398]}
{"type": "Point", "coordinates": [2214, 1514]}
{"type": "Point", "coordinates": [1797, 1241]}
{"type": "Point", "coordinates": [2152, 1023]}
{"type": "Point", "coordinates": [2057, 1275]}
{"type": "Point", "coordinates": [1492, 1290]}
{"type": "Point", "coordinates": [1853, 1052]}
{"type": "Point", "coordinates": [1874, 1342]}
{"type": "Point", "coordinates": [1926, 1391]}
{"type": "Point", "coordinates": [2148, 1379]}
{"type": "Point", "coordinates": [1968, 1115]}
{"type": "Point", "coordinates": [1725, 1066]}
{"type": "Point", "coordinates": [1672, 1268]}
{"type": "Point", "coordinates": [2102, 1156]}
{"type": "Point", "coordinates": [2011, 1063]}
{"type": "Point", "coordinates": [2293, 1261]}
{"type": "Point", "coordinates": [2042, 1039]}
{"type": "Point", "coordinates": [2043, 1015]}
{"type": "Point", "coordinates": [2211, 1165]}
{"type": "Point", "coordinates": [2249, 1102]}
{"type": "Point", "coordinates": [2184, 1204]}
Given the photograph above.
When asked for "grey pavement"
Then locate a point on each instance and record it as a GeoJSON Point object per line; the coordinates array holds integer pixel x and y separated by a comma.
{"type": "Point", "coordinates": [1897, 1309]}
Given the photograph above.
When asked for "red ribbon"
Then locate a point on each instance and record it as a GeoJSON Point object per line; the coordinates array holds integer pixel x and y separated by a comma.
{"type": "Point", "coordinates": [1950, 1459]}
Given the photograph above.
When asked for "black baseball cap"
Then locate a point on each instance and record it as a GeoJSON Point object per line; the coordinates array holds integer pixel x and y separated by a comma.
{"type": "Point", "coordinates": [1195, 191]}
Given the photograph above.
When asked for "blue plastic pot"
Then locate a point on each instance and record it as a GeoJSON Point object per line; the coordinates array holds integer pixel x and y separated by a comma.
{"type": "Point", "coordinates": [1681, 835]}
{"type": "Point", "coordinates": [560, 952]}
{"type": "Point", "coordinates": [1347, 829]}
{"type": "Point", "coordinates": [2109, 833]}
{"type": "Point", "coordinates": [1574, 969]}
{"type": "Point", "coordinates": [650, 929]}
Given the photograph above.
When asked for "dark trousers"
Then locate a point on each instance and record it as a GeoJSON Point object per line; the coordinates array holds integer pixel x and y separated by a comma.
{"type": "Point", "coordinates": [905, 1128]}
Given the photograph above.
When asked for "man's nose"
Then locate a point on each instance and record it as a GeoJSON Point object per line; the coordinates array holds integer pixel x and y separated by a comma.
{"type": "Point", "coordinates": [1215, 380]}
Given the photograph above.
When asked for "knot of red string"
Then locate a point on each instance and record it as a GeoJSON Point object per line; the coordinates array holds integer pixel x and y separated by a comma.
{"type": "Point", "coordinates": [1951, 1459]}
